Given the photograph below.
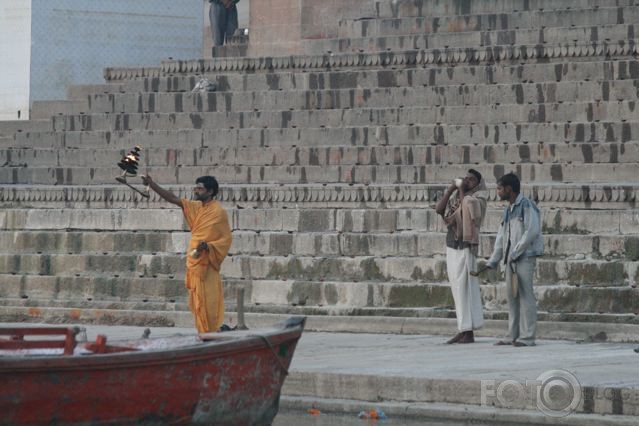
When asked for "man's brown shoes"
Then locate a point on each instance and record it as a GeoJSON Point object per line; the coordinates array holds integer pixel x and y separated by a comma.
{"type": "Point", "coordinates": [468, 337]}
{"type": "Point", "coordinates": [463, 337]}
{"type": "Point", "coordinates": [455, 339]}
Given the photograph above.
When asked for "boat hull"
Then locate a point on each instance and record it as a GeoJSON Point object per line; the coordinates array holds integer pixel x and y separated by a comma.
{"type": "Point", "coordinates": [234, 382]}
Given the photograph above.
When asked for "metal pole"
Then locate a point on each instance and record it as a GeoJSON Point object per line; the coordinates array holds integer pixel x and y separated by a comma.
{"type": "Point", "coordinates": [241, 325]}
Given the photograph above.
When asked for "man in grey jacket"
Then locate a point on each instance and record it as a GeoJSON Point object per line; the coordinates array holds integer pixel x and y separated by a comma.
{"type": "Point", "coordinates": [519, 242]}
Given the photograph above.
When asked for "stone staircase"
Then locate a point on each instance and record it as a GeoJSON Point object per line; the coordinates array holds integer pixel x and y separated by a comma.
{"type": "Point", "coordinates": [330, 164]}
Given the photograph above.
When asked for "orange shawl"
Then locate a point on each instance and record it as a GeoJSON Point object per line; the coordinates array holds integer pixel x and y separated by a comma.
{"type": "Point", "coordinates": [207, 223]}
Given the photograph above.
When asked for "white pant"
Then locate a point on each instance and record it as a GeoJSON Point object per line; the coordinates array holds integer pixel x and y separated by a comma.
{"type": "Point", "coordinates": [465, 288]}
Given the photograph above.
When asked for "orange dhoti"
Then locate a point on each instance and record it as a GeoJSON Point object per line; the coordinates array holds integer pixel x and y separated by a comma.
{"type": "Point", "coordinates": [208, 223]}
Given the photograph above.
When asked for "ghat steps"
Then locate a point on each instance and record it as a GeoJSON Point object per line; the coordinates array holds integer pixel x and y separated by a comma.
{"type": "Point", "coordinates": [330, 163]}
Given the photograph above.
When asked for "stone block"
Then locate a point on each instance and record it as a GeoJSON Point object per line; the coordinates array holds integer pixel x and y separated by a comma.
{"type": "Point", "coordinates": [92, 219]}
{"type": "Point", "coordinates": [366, 221]}
{"type": "Point", "coordinates": [411, 269]}
{"type": "Point", "coordinates": [619, 300]}
{"type": "Point", "coordinates": [316, 244]}
{"type": "Point", "coordinates": [418, 220]}
{"type": "Point", "coordinates": [285, 220]}
{"type": "Point", "coordinates": [83, 91]}
{"type": "Point", "coordinates": [568, 221]}
{"type": "Point", "coordinates": [271, 292]}
{"type": "Point", "coordinates": [43, 110]}
{"type": "Point", "coordinates": [629, 223]}
{"type": "Point", "coordinates": [381, 245]}
{"type": "Point", "coordinates": [419, 296]}
{"type": "Point", "coordinates": [583, 273]}
{"type": "Point", "coordinates": [431, 244]}
{"type": "Point", "coordinates": [11, 127]}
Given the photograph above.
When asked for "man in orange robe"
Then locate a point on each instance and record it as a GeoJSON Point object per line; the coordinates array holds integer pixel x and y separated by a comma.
{"type": "Point", "coordinates": [210, 242]}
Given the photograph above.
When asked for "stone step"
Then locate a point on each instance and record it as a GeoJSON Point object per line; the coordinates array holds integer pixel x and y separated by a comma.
{"type": "Point", "coordinates": [574, 303]}
{"type": "Point", "coordinates": [412, 8]}
{"type": "Point", "coordinates": [104, 242]}
{"type": "Point", "coordinates": [308, 243]}
{"type": "Point", "coordinates": [293, 408]}
{"type": "Point", "coordinates": [79, 91]}
{"type": "Point", "coordinates": [404, 76]}
{"type": "Point", "coordinates": [406, 58]}
{"type": "Point", "coordinates": [271, 296]}
{"type": "Point", "coordinates": [95, 266]}
{"type": "Point", "coordinates": [353, 319]}
{"type": "Point", "coordinates": [10, 127]}
{"type": "Point", "coordinates": [95, 316]}
{"type": "Point", "coordinates": [545, 35]}
{"type": "Point", "coordinates": [588, 273]}
{"type": "Point", "coordinates": [611, 173]}
{"type": "Point", "coordinates": [552, 329]}
{"type": "Point", "coordinates": [492, 114]}
{"type": "Point", "coordinates": [462, 95]}
{"type": "Point", "coordinates": [94, 291]}
{"type": "Point", "coordinates": [503, 392]}
{"type": "Point", "coordinates": [350, 313]}
{"type": "Point", "coordinates": [534, 19]}
{"type": "Point", "coordinates": [105, 298]}
{"type": "Point", "coordinates": [554, 221]}
{"type": "Point", "coordinates": [336, 137]}
{"type": "Point", "coordinates": [558, 195]}
{"type": "Point", "coordinates": [44, 110]}
{"type": "Point", "coordinates": [398, 269]}
{"type": "Point", "coordinates": [564, 313]}
{"type": "Point", "coordinates": [585, 153]}
{"type": "Point", "coordinates": [7, 141]}
{"type": "Point", "coordinates": [125, 290]}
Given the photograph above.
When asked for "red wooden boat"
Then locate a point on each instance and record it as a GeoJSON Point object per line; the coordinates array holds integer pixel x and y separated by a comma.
{"type": "Point", "coordinates": [231, 378]}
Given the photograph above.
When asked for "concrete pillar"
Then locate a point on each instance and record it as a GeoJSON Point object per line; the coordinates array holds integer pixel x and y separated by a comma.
{"type": "Point", "coordinates": [277, 27]}
{"type": "Point", "coordinates": [243, 22]}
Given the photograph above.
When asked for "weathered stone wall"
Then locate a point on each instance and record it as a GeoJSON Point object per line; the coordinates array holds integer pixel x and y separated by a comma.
{"type": "Point", "coordinates": [331, 163]}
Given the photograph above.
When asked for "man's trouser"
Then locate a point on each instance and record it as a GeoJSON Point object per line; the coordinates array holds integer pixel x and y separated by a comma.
{"type": "Point", "coordinates": [522, 309]}
{"type": "Point", "coordinates": [223, 22]}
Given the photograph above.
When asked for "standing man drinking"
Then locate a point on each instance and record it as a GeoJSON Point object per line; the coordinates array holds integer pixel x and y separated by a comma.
{"type": "Point", "coordinates": [519, 242]}
{"type": "Point", "coordinates": [463, 208]}
{"type": "Point", "coordinates": [223, 17]}
{"type": "Point", "coordinates": [210, 242]}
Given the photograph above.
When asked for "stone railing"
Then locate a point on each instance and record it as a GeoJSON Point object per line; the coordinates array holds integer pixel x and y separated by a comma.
{"type": "Point", "coordinates": [377, 59]}
{"type": "Point", "coordinates": [628, 195]}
